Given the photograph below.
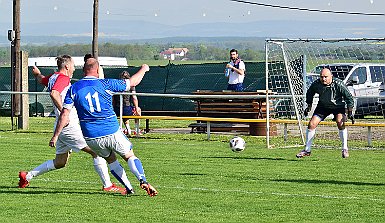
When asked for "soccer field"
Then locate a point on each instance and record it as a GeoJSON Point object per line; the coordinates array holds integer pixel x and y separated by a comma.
{"type": "Point", "coordinates": [197, 180]}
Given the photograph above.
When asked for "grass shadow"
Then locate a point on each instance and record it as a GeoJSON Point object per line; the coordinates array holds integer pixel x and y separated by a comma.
{"type": "Point", "coordinates": [38, 190]}
{"type": "Point", "coordinates": [193, 174]}
{"type": "Point", "coordinates": [246, 158]}
{"type": "Point", "coordinates": [338, 182]}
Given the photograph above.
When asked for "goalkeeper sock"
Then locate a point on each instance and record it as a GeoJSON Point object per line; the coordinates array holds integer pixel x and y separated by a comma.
{"type": "Point", "coordinates": [43, 168]}
{"type": "Point", "coordinates": [309, 139]}
{"type": "Point", "coordinates": [100, 166]}
{"type": "Point", "coordinates": [119, 173]}
{"type": "Point", "coordinates": [344, 138]}
{"type": "Point", "coordinates": [136, 168]}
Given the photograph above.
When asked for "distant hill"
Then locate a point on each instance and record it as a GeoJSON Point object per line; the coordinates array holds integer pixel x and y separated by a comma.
{"type": "Point", "coordinates": [146, 32]}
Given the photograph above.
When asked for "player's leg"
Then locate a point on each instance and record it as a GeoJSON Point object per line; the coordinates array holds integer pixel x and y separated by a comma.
{"type": "Point", "coordinates": [59, 162]}
{"type": "Point", "coordinates": [135, 165]}
{"type": "Point", "coordinates": [119, 173]}
{"type": "Point", "coordinates": [124, 149]}
{"type": "Point", "coordinates": [101, 148]}
{"type": "Point", "coordinates": [127, 131]}
{"type": "Point", "coordinates": [343, 133]}
{"type": "Point", "coordinates": [101, 168]}
{"type": "Point", "coordinates": [73, 138]}
{"type": "Point", "coordinates": [318, 115]}
{"type": "Point", "coordinates": [137, 169]}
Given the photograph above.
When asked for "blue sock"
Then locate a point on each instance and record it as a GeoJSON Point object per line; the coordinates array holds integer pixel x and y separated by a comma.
{"type": "Point", "coordinates": [136, 168]}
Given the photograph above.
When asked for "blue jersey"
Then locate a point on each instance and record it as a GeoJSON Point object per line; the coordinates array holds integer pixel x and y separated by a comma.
{"type": "Point", "coordinates": [92, 98]}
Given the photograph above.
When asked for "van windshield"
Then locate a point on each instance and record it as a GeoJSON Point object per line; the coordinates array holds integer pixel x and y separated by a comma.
{"type": "Point", "coordinates": [340, 71]}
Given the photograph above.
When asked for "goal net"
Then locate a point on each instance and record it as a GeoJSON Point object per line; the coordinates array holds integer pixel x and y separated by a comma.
{"type": "Point", "coordinates": [293, 64]}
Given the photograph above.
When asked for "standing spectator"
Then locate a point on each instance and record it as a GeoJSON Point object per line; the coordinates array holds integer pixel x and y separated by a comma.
{"type": "Point", "coordinates": [71, 137]}
{"type": "Point", "coordinates": [334, 96]}
{"type": "Point", "coordinates": [130, 105]}
{"type": "Point", "coordinates": [92, 98]}
{"type": "Point", "coordinates": [236, 73]}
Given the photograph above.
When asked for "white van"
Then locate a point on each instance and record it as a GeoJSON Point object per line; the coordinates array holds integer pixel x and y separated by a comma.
{"type": "Point", "coordinates": [363, 81]}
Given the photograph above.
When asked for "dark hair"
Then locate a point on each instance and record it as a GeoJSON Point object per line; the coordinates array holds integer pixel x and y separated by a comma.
{"type": "Point", "coordinates": [87, 56]}
{"type": "Point", "coordinates": [62, 61]}
{"type": "Point", "coordinates": [234, 50]}
{"type": "Point", "coordinates": [125, 75]}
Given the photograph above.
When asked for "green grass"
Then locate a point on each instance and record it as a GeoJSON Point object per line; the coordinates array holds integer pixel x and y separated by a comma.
{"type": "Point", "coordinates": [198, 181]}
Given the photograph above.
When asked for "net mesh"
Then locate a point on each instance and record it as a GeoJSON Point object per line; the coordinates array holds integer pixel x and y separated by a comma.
{"type": "Point", "coordinates": [292, 65]}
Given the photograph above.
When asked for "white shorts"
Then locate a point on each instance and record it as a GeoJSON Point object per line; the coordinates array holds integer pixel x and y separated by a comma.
{"type": "Point", "coordinates": [71, 138]}
{"type": "Point", "coordinates": [103, 146]}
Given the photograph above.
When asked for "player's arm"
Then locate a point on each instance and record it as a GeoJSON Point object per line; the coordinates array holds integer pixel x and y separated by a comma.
{"type": "Point", "coordinates": [349, 100]}
{"type": "Point", "coordinates": [240, 71]}
{"type": "Point", "coordinates": [135, 101]}
{"type": "Point", "coordinates": [56, 99]}
{"type": "Point", "coordinates": [348, 97]}
{"type": "Point", "coordinates": [39, 77]}
{"type": "Point", "coordinates": [309, 99]}
{"type": "Point", "coordinates": [310, 94]}
{"type": "Point", "coordinates": [138, 76]}
{"type": "Point", "coordinates": [60, 84]}
{"type": "Point", "coordinates": [63, 121]}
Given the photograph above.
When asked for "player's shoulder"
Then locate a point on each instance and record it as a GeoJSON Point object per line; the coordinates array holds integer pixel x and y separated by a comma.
{"type": "Point", "coordinates": [316, 82]}
{"type": "Point", "coordinates": [338, 82]}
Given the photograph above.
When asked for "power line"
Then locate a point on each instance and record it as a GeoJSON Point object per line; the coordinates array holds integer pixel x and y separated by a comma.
{"type": "Point", "coordinates": [309, 10]}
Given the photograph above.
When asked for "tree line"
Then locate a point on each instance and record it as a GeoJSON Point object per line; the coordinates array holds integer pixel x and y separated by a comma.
{"type": "Point", "coordinates": [134, 51]}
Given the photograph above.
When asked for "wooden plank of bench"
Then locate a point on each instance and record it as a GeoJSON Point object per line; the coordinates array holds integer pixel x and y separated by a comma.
{"type": "Point", "coordinates": [235, 109]}
{"type": "Point", "coordinates": [229, 104]}
{"type": "Point", "coordinates": [202, 127]}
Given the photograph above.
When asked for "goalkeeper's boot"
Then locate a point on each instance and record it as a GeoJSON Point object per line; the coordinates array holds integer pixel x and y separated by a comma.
{"type": "Point", "coordinates": [115, 189]}
{"type": "Point", "coordinates": [345, 153]}
{"type": "Point", "coordinates": [148, 188]}
{"type": "Point", "coordinates": [303, 153]}
{"type": "Point", "coordinates": [23, 182]}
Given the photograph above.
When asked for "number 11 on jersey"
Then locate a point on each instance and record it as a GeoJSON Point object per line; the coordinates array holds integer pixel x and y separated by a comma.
{"type": "Point", "coordinates": [90, 100]}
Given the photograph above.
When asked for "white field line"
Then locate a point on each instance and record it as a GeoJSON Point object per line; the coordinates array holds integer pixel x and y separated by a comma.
{"type": "Point", "coordinates": [233, 191]}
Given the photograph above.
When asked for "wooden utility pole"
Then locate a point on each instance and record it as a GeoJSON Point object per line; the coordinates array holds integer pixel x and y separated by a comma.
{"type": "Point", "coordinates": [95, 30]}
{"type": "Point", "coordinates": [16, 74]}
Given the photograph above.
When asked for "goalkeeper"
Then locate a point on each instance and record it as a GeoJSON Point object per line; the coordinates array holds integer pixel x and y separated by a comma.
{"type": "Point", "coordinates": [334, 97]}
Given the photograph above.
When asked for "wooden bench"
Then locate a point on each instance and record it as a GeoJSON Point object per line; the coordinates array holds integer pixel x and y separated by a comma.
{"type": "Point", "coordinates": [165, 113]}
{"type": "Point", "coordinates": [262, 121]}
{"type": "Point", "coordinates": [230, 108]}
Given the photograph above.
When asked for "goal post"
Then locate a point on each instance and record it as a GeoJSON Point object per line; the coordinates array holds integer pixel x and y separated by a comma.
{"type": "Point", "coordinates": [293, 64]}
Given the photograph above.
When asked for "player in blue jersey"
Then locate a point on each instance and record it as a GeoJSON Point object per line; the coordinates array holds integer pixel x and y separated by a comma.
{"type": "Point", "coordinates": [71, 138]}
{"type": "Point", "coordinates": [92, 98]}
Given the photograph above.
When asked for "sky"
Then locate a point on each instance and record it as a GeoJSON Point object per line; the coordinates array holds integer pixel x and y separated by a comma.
{"type": "Point", "coordinates": [179, 12]}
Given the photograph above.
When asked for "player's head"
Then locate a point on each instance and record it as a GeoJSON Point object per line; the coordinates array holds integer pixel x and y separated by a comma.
{"type": "Point", "coordinates": [66, 65]}
{"type": "Point", "coordinates": [326, 76]}
{"type": "Point", "coordinates": [125, 75]}
{"type": "Point", "coordinates": [233, 54]}
{"type": "Point", "coordinates": [87, 56]}
{"type": "Point", "coordinates": [91, 67]}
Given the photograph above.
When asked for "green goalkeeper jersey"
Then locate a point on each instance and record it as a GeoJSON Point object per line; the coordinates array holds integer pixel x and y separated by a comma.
{"type": "Point", "coordinates": [335, 95]}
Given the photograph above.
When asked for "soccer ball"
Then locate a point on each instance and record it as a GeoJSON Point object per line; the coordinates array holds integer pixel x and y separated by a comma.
{"type": "Point", "coordinates": [237, 144]}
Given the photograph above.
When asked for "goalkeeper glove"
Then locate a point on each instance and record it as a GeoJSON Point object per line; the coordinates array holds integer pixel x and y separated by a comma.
{"type": "Point", "coordinates": [351, 116]}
